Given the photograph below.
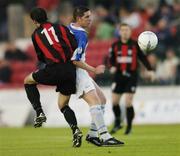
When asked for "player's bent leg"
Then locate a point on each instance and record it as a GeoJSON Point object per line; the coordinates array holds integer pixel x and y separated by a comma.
{"type": "Point", "coordinates": [29, 79]}
{"type": "Point", "coordinates": [129, 112]}
{"type": "Point", "coordinates": [91, 98]}
{"type": "Point", "coordinates": [70, 117]}
{"type": "Point", "coordinates": [34, 98]}
{"type": "Point", "coordinates": [100, 93]}
{"type": "Point", "coordinates": [117, 112]}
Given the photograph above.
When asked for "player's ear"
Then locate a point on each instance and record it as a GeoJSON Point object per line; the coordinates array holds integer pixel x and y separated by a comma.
{"type": "Point", "coordinates": [34, 22]}
{"type": "Point", "coordinates": [78, 18]}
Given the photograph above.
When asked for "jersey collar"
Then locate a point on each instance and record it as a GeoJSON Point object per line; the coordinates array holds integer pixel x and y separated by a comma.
{"type": "Point", "coordinates": [77, 28]}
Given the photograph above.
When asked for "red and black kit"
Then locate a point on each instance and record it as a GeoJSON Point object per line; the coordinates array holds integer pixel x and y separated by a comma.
{"type": "Point", "coordinates": [125, 56]}
{"type": "Point", "coordinates": [54, 45]}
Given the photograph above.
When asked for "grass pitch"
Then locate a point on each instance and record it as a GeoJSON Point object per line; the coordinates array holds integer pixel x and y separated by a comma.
{"type": "Point", "coordinates": [147, 140]}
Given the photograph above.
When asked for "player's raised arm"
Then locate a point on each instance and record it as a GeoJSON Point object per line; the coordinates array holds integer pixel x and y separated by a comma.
{"type": "Point", "coordinates": [143, 59]}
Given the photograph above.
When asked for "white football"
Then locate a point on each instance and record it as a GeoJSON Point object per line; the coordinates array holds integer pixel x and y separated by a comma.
{"type": "Point", "coordinates": [147, 41]}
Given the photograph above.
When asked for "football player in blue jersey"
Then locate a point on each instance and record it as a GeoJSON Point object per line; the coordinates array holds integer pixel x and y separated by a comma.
{"type": "Point", "coordinates": [87, 89]}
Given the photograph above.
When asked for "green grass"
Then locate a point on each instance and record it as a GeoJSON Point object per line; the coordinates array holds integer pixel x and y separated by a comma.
{"type": "Point", "coordinates": [147, 140]}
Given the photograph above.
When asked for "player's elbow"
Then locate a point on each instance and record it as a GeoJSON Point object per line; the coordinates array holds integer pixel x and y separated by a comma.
{"type": "Point", "coordinates": [75, 62]}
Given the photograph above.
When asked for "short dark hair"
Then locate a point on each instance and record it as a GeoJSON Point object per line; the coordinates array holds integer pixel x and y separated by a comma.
{"type": "Point", "coordinates": [39, 15]}
{"type": "Point", "coordinates": [124, 24]}
{"type": "Point", "coordinates": [79, 12]}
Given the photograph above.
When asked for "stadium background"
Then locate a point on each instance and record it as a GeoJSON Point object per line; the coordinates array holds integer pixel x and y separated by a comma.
{"type": "Point", "coordinates": [155, 103]}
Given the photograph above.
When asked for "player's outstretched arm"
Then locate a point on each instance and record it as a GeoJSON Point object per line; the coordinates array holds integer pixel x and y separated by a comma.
{"type": "Point", "coordinates": [96, 70]}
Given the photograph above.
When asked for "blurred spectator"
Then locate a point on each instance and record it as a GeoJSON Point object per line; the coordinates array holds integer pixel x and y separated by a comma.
{"type": "Point", "coordinates": [153, 60]}
{"type": "Point", "coordinates": [163, 11]}
{"type": "Point", "coordinates": [176, 9]}
{"type": "Point", "coordinates": [104, 3]}
{"type": "Point", "coordinates": [51, 6]}
{"type": "Point", "coordinates": [3, 19]}
{"type": "Point", "coordinates": [65, 13]}
{"type": "Point", "coordinates": [29, 4]}
{"type": "Point", "coordinates": [165, 37]}
{"type": "Point", "coordinates": [12, 53]}
{"type": "Point", "coordinates": [104, 24]}
{"type": "Point", "coordinates": [131, 18]}
{"type": "Point", "coordinates": [167, 70]}
{"type": "Point", "coordinates": [5, 72]}
{"type": "Point", "coordinates": [145, 3]}
{"type": "Point", "coordinates": [176, 40]}
{"type": "Point", "coordinates": [48, 4]}
{"type": "Point", "coordinates": [79, 2]}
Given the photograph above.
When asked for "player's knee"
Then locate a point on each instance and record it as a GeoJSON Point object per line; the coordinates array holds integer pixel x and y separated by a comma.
{"type": "Point", "coordinates": [128, 101]}
{"type": "Point", "coordinates": [26, 80]}
{"type": "Point", "coordinates": [115, 102]}
{"type": "Point", "coordinates": [29, 80]}
{"type": "Point", "coordinates": [62, 104]}
{"type": "Point", "coordinates": [63, 101]}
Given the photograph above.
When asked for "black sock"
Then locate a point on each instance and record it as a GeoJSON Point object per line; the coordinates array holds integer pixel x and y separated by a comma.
{"type": "Point", "coordinates": [129, 115]}
{"type": "Point", "coordinates": [34, 97]}
{"type": "Point", "coordinates": [117, 114]}
{"type": "Point", "coordinates": [70, 117]}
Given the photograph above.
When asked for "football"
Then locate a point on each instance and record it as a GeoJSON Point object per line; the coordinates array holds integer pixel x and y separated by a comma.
{"type": "Point", "coordinates": [147, 41]}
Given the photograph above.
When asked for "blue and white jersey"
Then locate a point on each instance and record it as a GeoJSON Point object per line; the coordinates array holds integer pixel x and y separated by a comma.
{"type": "Point", "coordinates": [82, 41]}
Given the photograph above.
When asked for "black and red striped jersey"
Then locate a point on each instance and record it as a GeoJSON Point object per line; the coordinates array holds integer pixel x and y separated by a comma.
{"type": "Point", "coordinates": [125, 56]}
{"type": "Point", "coordinates": [53, 43]}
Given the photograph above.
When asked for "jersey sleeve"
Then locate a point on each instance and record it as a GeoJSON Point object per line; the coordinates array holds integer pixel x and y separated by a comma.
{"type": "Point", "coordinates": [111, 56]}
{"type": "Point", "coordinates": [38, 51]}
{"type": "Point", "coordinates": [81, 38]}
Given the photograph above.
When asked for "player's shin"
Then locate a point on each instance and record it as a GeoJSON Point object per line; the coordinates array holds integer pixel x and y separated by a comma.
{"type": "Point", "coordinates": [97, 117]}
{"type": "Point", "coordinates": [70, 117]}
{"type": "Point", "coordinates": [129, 115]}
{"type": "Point", "coordinates": [34, 97]}
{"type": "Point", "coordinates": [117, 114]}
{"type": "Point", "coordinates": [93, 129]}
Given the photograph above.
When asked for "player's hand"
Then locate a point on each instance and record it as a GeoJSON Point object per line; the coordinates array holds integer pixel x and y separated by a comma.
{"type": "Point", "coordinates": [100, 69]}
{"type": "Point", "coordinates": [112, 70]}
{"type": "Point", "coordinates": [151, 75]}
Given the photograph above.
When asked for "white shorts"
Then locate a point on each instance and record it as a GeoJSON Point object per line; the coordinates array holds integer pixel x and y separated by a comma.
{"type": "Point", "coordinates": [84, 83]}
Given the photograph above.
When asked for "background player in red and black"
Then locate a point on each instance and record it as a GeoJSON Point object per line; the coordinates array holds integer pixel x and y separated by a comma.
{"type": "Point", "coordinates": [123, 57]}
{"type": "Point", "coordinates": [54, 46]}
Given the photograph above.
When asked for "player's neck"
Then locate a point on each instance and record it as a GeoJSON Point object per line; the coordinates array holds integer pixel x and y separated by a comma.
{"type": "Point", "coordinates": [77, 25]}
{"type": "Point", "coordinates": [123, 40]}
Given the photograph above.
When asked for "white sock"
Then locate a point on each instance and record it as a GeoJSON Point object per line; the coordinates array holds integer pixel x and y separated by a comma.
{"type": "Point", "coordinates": [97, 118]}
{"type": "Point", "coordinates": [93, 130]}
{"type": "Point", "coordinates": [103, 108]}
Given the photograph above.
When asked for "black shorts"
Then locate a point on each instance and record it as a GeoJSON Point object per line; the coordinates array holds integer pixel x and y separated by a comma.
{"type": "Point", "coordinates": [124, 83]}
{"type": "Point", "coordinates": [63, 76]}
